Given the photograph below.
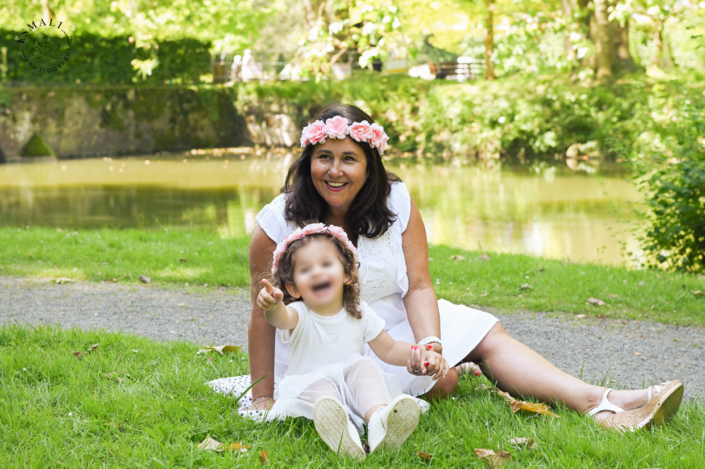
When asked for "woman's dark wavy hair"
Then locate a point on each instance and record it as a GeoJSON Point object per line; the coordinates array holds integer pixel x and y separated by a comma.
{"type": "Point", "coordinates": [369, 215]}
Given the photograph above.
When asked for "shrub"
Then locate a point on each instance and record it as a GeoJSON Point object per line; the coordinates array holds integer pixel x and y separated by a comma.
{"type": "Point", "coordinates": [104, 60]}
{"type": "Point", "coordinates": [670, 159]}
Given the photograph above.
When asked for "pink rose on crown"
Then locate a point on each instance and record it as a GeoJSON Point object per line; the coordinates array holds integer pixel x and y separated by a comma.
{"type": "Point", "coordinates": [383, 144]}
{"type": "Point", "coordinates": [361, 131]}
{"type": "Point", "coordinates": [377, 135]}
{"type": "Point", "coordinates": [338, 232]}
{"type": "Point", "coordinates": [313, 133]}
{"type": "Point", "coordinates": [337, 127]}
{"type": "Point", "coordinates": [312, 228]}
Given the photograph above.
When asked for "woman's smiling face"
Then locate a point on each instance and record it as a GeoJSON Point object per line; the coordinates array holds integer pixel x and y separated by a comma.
{"type": "Point", "coordinates": [338, 171]}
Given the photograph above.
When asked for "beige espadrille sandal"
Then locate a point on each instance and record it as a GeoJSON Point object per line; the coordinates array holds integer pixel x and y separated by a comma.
{"type": "Point", "coordinates": [335, 429]}
{"type": "Point", "coordinates": [390, 426]}
{"type": "Point", "coordinates": [663, 402]}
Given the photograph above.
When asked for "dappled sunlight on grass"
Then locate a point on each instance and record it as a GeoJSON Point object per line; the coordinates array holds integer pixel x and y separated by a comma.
{"type": "Point", "coordinates": [173, 273]}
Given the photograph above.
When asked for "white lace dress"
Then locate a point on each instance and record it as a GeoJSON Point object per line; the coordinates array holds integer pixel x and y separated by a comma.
{"type": "Point", "coordinates": [384, 283]}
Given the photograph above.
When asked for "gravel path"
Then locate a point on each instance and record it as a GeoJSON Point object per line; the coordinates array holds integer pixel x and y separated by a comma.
{"type": "Point", "coordinates": [628, 354]}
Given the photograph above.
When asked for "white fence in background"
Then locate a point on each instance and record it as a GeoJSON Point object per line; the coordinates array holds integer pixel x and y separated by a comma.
{"type": "Point", "coordinates": [275, 65]}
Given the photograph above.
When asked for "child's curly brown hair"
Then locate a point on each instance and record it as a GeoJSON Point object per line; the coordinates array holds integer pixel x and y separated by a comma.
{"type": "Point", "coordinates": [351, 289]}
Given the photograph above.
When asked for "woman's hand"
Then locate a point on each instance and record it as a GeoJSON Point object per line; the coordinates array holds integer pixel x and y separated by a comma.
{"type": "Point", "coordinates": [269, 297]}
{"type": "Point", "coordinates": [435, 364]}
{"type": "Point", "coordinates": [423, 360]}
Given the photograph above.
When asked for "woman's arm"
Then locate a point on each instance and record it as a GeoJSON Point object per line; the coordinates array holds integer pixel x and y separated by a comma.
{"type": "Point", "coordinates": [260, 334]}
{"type": "Point", "coordinates": [420, 301]}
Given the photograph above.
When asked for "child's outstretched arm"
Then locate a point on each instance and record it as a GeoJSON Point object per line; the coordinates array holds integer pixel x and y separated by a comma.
{"type": "Point", "coordinates": [397, 353]}
{"type": "Point", "coordinates": [277, 313]}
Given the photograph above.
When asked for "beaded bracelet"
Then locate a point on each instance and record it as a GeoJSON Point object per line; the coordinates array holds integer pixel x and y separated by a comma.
{"type": "Point", "coordinates": [260, 398]}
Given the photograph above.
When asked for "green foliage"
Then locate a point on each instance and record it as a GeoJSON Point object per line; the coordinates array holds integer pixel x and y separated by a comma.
{"type": "Point", "coordinates": [670, 156]}
{"type": "Point", "coordinates": [96, 59]}
{"type": "Point", "coordinates": [226, 23]}
{"type": "Point", "coordinates": [359, 27]}
{"type": "Point", "coordinates": [37, 146]}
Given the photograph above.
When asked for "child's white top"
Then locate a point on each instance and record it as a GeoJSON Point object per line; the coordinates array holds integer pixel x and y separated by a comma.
{"type": "Point", "coordinates": [319, 341]}
{"type": "Point", "coordinates": [383, 279]}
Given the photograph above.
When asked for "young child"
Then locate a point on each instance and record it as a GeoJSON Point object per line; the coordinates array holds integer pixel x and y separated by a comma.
{"type": "Point", "coordinates": [315, 303]}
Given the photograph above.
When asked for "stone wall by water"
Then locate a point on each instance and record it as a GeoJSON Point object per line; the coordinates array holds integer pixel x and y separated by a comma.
{"type": "Point", "coordinates": [112, 121]}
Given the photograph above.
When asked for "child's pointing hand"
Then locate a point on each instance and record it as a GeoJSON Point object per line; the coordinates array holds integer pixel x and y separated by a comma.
{"type": "Point", "coordinates": [269, 296]}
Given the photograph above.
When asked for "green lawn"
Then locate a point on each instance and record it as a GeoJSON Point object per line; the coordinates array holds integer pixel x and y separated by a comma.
{"type": "Point", "coordinates": [179, 256]}
{"type": "Point", "coordinates": [139, 403]}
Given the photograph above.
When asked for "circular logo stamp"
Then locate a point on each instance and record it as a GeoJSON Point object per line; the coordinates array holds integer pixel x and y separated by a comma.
{"type": "Point", "coordinates": [45, 46]}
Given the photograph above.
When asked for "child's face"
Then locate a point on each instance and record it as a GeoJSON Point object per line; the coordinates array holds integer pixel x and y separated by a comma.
{"type": "Point", "coordinates": [319, 275]}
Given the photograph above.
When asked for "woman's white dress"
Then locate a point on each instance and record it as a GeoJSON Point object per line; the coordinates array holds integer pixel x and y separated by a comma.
{"type": "Point", "coordinates": [384, 283]}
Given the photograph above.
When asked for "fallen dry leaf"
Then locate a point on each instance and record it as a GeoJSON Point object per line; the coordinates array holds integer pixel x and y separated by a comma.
{"type": "Point", "coordinates": [425, 455]}
{"type": "Point", "coordinates": [61, 281]}
{"type": "Point", "coordinates": [529, 443]}
{"type": "Point", "coordinates": [698, 293]}
{"type": "Point", "coordinates": [457, 257]}
{"type": "Point", "coordinates": [220, 349]}
{"type": "Point", "coordinates": [493, 459]}
{"type": "Point", "coordinates": [526, 286]}
{"type": "Point", "coordinates": [581, 316]}
{"type": "Point", "coordinates": [483, 295]}
{"type": "Point", "coordinates": [595, 301]}
{"type": "Point", "coordinates": [517, 405]}
{"type": "Point", "coordinates": [145, 279]}
{"type": "Point", "coordinates": [613, 295]}
{"type": "Point", "coordinates": [638, 354]}
{"type": "Point", "coordinates": [210, 444]}
{"type": "Point", "coordinates": [92, 348]}
{"type": "Point", "coordinates": [182, 260]}
{"type": "Point", "coordinates": [113, 376]}
{"type": "Point", "coordinates": [625, 322]}
{"type": "Point", "coordinates": [483, 257]}
{"type": "Point", "coordinates": [483, 387]}
{"type": "Point", "coordinates": [237, 447]}
{"type": "Point", "coordinates": [264, 457]}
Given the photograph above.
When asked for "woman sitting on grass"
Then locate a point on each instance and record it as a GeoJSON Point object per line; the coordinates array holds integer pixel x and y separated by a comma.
{"type": "Point", "coordinates": [340, 179]}
{"type": "Point", "coordinates": [316, 305]}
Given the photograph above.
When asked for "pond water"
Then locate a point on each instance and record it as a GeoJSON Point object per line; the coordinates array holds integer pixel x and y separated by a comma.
{"type": "Point", "coordinates": [549, 213]}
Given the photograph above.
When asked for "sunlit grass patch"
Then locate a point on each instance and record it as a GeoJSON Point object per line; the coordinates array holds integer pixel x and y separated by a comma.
{"type": "Point", "coordinates": [136, 402]}
{"type": "Point", "coordinates": [505, 282]}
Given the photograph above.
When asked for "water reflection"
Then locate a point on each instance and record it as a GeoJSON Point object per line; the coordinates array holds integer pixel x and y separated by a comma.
{"type": "Point", "coordinates": [552, 215]}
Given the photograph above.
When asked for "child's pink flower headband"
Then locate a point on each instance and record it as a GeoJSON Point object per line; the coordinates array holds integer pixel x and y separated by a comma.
{"type": "Point", "coordinates": [314, 228]}
{"type": "Point", "coordinates": [337, 127]}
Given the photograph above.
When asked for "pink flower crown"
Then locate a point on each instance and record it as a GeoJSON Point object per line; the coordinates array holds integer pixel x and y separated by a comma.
{"type": "Point", "coordinates": [314, 228]}
{"type": "Point", "coordinates": [337, 127]}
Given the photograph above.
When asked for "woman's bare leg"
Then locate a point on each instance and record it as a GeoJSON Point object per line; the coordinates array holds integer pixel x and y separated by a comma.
{"type": "Point", "coordinates": [517, 369]}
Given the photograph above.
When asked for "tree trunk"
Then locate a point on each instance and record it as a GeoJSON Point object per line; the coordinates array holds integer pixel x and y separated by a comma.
{"type": "Point", "coordinates": [666, 57]}
{"type": "Point", "coordinates": [603, 40]}
{"type": "Point", "coordinates": [310, 15]}
{"type": "Point", "coordinates": [489, 41]}
{"type": "Point", "coordinates": [568, 8]}
{"type": "Point", "coordinates": [47, 12]}
{"type": "Point", "coordinates": [662, 57]}
{"type": "Point", "coordinates": [622, 58]}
